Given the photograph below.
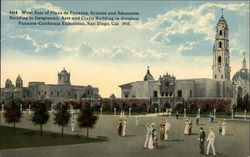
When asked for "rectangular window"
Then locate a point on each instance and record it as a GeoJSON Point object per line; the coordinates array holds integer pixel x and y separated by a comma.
{"type": "Point", "coordinates": [75, 96]}
{"type": "Point", "coordinates": [155, 94]}
{"type": "Point", "coordinates": [215, 76]}
{"type": "Point", "coordinates": [162, 94]}
{"type": "Point", "coordinates": [39, 93]}
{"type": "Point", "coordinates": [221, 76]}
{"type": "Point", "coordinates": [68, 93]}
{"type": "Point", "coordinates": [179, 93]}
{"type": "Point", "coordinates": [45, 93]}
{"type": "Point", "coordinates": [51, 93]}
{"type": "Point", "coordinates": [57, 93]}
{"type": "Point", "coordinates": [191, 93]}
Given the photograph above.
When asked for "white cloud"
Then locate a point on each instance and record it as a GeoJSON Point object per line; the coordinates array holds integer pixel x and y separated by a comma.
{"type": "Point", "coordinates": [179, 22]}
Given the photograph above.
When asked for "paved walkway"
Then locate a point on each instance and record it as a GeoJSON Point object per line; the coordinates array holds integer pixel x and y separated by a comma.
{"type": "Point", "coordinates": [235, 143]}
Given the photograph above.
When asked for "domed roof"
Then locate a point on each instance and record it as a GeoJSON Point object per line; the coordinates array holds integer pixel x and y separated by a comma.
{"type": "Point", "coordinates": [148, 76]}
{"type": "Point", "coordinates": [18, 78]}
{"type": "Point", "coordinates": [243, 74]}
{"type": "Point", "coordinates": [222, 22]}
{"type": "Point", "coordinates": [64, 72]}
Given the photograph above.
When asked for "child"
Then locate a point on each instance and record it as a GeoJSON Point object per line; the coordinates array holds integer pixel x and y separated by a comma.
{"type": "Point", "coordinates": [220, 129]}
{"type": "Point", "coordinates": [155, 144]}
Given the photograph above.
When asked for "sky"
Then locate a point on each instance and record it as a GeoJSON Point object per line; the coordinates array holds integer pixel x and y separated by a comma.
{"type": "Point", "coordinates": [170, 37]}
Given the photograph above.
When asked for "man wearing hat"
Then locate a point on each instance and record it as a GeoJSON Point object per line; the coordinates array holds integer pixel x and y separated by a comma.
{"type": "Point", "coordinates": [202, 140]}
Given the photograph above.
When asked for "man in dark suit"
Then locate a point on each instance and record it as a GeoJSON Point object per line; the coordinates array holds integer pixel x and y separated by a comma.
{"type": "Point", "coordinates": [202, 140]}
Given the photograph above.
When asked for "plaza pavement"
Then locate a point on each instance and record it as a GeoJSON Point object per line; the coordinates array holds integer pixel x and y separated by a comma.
{"type": "Point", "coordinates": [234, 144]}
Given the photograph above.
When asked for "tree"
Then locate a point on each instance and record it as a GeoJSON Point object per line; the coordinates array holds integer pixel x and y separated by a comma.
{"type": "Point", "coordinates": [13, 114]}
{"type": "Point", "coordinates": [246, 102]}
{"type": "Point", "coordinates": [62, 116]}
{"type": "Point", "coordinates": [239, 103]}
{"type": "Point", "coordinates": [41, 115]}
{"type": "Point", "coordinates": [86, 119]}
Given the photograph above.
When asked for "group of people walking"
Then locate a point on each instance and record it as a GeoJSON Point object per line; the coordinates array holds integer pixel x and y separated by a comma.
{"type": "Point", "coordinates": [188, 127]}
{"type": "Point", "coordinates": [210, 140]}
{"type": "Point", "coordinates": [121, 130]}
{"type": "Point", "coordinates": [151, 141]}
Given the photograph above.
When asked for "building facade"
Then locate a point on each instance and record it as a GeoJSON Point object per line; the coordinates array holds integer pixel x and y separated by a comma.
{"type": "Point", "coordinates": [170, 91]}
{"type": "Point", "coordinates": [60, 92]}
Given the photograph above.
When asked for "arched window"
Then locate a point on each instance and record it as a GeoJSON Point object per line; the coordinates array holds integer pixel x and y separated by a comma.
{"type": "Point", "coordinates": [220, 32]}
{"type": "Point", "coordinates": [220, 44]}
{"type": "Point", "coordinates": [219, 59]}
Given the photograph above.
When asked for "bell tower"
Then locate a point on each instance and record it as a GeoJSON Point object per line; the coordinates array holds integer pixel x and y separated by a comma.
{"type": "Point", "coordinates": [221, 57]}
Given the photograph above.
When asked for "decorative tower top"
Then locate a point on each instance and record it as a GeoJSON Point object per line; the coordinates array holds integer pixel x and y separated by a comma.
{"type": "Point", "coordinates": [244, 63]}
{"type": "Point", "coordinates": [64, 77]}
{"type": "Point", "coordinates": [8, 83]}
{"type": "Point", "coordinates": [148, 76]}
{"type": "Point", "coordinates": [19, 81]}
{"type": "Point", "coordinates": [221, 57]}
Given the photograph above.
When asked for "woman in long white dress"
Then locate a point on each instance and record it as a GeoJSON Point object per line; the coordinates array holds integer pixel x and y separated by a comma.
{"type": "Point", "coordinates": [124, 127]}
{"type": "Point", "coordinates": [223, 132]}
{"type": "Point", "coordinates": [186, 129]}
{"type": "Point", "coordinates": [167, 128]}
{"type": "Point", "coordinates": [152, 136]}
{"type": "Point", "coordinates": [147, 135]}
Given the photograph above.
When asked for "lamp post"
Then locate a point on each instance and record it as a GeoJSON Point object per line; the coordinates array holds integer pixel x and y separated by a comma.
{"type": "Point", "coordinates": [21, 107]}
{"type": "Point", "coordinates": [199, 112]}
{"type": "Point", "coordinates": [170, 112]}
{"type": "Point", "coordinates": [101, 110]}
{"type": "Point", "coordinates": [232, 111]}
{"type": "Point", "coordinates": [155, 110]}
{"type": "Point", "coordinates": [29, 109]}
{"type": "Point", "coordinates": [214, 113]}
{"type": "Point", "coordinates": [129, 111]}
{"type": "Point", "coordinates": [185, 113]}
{"type": "Point", "coordinates": [2, 107]}
{"type": "Point", "coordinates": [245, 114]}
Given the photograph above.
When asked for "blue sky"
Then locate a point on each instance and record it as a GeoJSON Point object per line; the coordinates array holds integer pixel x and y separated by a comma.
{"type": "Point", "coordinates": [171, 36]}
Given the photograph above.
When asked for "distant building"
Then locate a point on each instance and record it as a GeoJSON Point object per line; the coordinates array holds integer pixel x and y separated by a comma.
{"type": "Point", "coordinates": [62, 91]}
{"type": "Point", "coordinates": [241, 80]}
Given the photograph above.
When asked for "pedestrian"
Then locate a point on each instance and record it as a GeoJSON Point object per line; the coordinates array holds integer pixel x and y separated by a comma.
{"type": "Point", "coordinates": [220, 129]}
{"type": "Point", "coordinates": [197, 119]}
{"type": "Point", "coordinates": [224, 126]}
{"type": "Point", "coordinates": [209, 118]}
{"type": "Point", "coordinates": [119, 128]}
{"type": "Point", "coordinates": [147, 127]}
{"type": "Point", "coordinates": [73, 124]}
{"type": "Point", "coordinates": [186, 127]}
{"type": "Point", "coordinates": [162, 130]}
{"type": "Point", "coordinates": [190, 127]}
{"type": "Point", "coordinates": [202, 139]}
{"type": "Point", "coordinates": [153, 137]}
{"type": "Point", "coordinates": [212, 118]}
{"type": "Point", "coordinates": [137, 120]}
{"type": "Point", "coordinates": [211, 139]}
{"type": "Point", "coordinates": [124, 126]}
{"type": "Point", "coordinates": [167, 128]}
{"type": "Point", "coordinates": [177, 115]}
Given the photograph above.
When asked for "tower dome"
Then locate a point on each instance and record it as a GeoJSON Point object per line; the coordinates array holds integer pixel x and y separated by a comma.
{"type": "Point", "coordinates": [8, 83]}
{"type": "Point", "coordinates": [148, 76]}
{"type": "Point", "coordinates": [243, 73]}
{"type": "Point", "coordinates": [64, 77]}
{"type": "Point", "coordinates": [19, 81]}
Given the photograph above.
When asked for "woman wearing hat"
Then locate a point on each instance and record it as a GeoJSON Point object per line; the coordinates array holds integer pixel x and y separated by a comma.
{"type": "Point", "coordinates": [223, 125]}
